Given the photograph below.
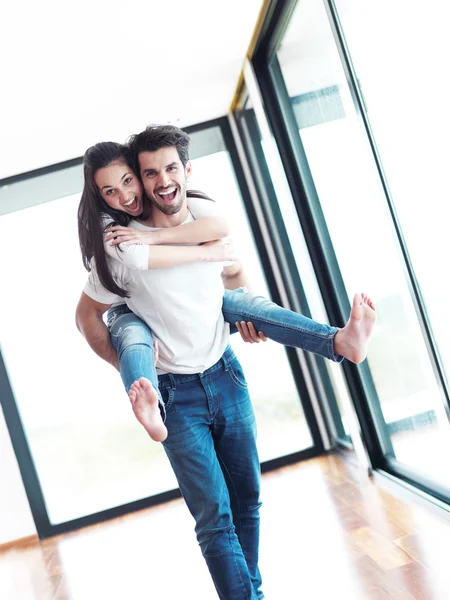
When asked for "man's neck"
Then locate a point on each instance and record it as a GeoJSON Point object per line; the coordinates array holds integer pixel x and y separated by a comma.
{"type": "Point", "coordinates": [160, 220]}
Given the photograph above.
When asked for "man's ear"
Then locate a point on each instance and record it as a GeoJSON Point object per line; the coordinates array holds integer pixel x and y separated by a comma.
{"type": "Point", "coordinates": [188, 169]}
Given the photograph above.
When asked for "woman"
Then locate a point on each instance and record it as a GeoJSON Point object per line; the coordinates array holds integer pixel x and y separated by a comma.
{"type": "Point", "coordinates": [111, 198]}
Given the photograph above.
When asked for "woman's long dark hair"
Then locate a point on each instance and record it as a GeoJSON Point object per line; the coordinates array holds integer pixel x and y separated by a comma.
{"type": "Point", "coordinates": [92, 208]}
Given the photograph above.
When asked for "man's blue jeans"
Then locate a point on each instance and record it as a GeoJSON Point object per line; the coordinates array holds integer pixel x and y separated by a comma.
{"type": "Point", "coordinates": [134, 343]}
{"type": "Point", "coordinates": [211, 440]}
{"type": "Point", "coordinates": [212, 449]}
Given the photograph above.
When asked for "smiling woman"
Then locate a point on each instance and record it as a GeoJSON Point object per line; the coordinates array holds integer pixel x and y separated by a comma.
{"type": "Point", "coordinates": [120, 190]}
{"type": "Point", "coordinates": [113, 195]}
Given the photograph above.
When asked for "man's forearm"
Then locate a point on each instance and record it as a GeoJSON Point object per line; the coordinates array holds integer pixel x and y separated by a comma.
{"type": "Point", "coordinates": [97, 336]}
{"type": "Point", "coordinates": [236, 279]}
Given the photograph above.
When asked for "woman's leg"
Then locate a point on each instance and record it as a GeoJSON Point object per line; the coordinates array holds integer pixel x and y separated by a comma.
{"type": "Point", "coordinates": [134, 345]}
{"type": "Point", "coordinates": [292, 329]}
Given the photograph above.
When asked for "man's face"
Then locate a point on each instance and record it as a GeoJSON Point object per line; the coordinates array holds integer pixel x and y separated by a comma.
{"type": "Point", "coordinates": [120, 188]}
{"type": "Point", "coordinates": [164, 179]}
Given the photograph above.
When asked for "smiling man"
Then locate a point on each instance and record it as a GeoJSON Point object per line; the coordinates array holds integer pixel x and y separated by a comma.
{"type": "Point", "coordinates": [212, 441]}
{"type": "Point", "coordinates": [212, 433]}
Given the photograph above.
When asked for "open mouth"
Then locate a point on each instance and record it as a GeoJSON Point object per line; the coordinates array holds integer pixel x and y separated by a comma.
{"type": "Point", "coordinates": [132, 204]}
{"type": "Point", "coordinates": [168, 195]}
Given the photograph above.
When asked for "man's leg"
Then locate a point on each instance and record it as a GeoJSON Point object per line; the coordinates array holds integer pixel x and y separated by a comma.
{"type": "Point", "coordinates": [292, 329]}
{"type": "Point", "coordinates": [133, 343]}
{"type": "Point", "coordinates": [235, 440]}
{"type": "Point", "coordinates": [191, 404]}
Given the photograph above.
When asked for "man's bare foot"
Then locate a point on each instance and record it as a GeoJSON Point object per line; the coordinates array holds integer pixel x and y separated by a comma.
{"type": "Point", "coordinates": [144, 400]}
{"type": "Point", "coordinates": [352, 341]}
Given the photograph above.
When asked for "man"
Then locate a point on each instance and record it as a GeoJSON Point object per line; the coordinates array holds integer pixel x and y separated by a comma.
{"type": "Point", "coordinates": [211, 443]}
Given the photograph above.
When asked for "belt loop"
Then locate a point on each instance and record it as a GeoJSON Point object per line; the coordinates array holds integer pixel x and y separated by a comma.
{"type": "Point", "coordinates": [225, 360]}
{"type": "Point", "coordinates": [172, 381]}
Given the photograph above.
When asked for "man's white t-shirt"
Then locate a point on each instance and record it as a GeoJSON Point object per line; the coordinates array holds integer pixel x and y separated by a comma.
{"type": "Point", "coordinates": [182, 305]}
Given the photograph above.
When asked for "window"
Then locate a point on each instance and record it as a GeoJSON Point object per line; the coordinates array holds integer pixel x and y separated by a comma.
{"type": "Point", "coordinates": [89, 452]}
{"type": "Point", "coordinates": [412, 421]}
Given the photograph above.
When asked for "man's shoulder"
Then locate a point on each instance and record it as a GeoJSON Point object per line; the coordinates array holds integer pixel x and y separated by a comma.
{"type": "Point", "coordinates": [201, 207]}
{"type": "Point", "coordinates": [138, 225]}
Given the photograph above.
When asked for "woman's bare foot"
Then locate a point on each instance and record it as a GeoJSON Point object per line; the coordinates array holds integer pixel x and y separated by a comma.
{"type": "Point", "coordinates": [144, 400]}
{"type": "Point", "coordinates": [352, 341]}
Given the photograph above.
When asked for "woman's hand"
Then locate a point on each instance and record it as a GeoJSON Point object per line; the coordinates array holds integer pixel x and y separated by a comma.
{"type": "Point", "coordinates": [117, 234]}
{"type": "Point", "coordinates": [219, 251]}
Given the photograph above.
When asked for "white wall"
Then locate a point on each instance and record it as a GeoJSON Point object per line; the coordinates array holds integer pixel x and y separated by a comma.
{"type": "Point", "coordinates": [15, 514]}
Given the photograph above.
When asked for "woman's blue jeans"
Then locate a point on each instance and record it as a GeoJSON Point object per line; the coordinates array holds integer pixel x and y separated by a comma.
{"type": "Point", "coordinates": [133, 340]}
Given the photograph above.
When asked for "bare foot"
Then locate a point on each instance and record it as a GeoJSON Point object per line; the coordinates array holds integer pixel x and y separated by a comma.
{"type": "Point", "coordinates": [144, 400]}
{"type": "Point", "coordinates": [352, 341]}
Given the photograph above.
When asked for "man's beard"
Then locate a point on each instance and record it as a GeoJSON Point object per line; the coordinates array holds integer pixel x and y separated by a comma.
{"type": "Point", "coordinates": [174, 208]}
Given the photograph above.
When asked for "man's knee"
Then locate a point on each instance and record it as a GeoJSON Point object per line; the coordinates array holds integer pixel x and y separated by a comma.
{"type": "Point", "coordinates": [214, 542]}
{"type": "Point", "coordinates": [250, 511]}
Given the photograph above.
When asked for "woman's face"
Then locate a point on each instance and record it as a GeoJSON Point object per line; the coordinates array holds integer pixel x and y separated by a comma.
{"type": "Point", "coordinates": [120, 188]}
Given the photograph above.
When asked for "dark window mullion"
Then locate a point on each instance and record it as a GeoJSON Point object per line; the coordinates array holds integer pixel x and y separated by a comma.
{"type": "Point", "coordinates": [22, 451]}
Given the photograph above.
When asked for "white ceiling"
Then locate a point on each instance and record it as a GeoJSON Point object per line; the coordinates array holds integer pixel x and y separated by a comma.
{"type": "Point", "coordinates": [77, 73]}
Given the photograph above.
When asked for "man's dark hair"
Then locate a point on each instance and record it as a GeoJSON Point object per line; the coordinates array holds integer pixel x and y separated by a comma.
{"type": "Point", "coordinates": [155, 137]}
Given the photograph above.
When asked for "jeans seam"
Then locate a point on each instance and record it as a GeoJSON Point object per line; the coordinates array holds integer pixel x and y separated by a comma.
{"type": "Point", "coordinates": [235, 379]}
{"type": "Point", "coordinates": [230, 546]}
{"type": "Point", "coordinates": [292, 328]}
{"type": "Point", "coordinates": [239, 504]}
{"type": "Point", "coordinates": [170, 398]}
{"type": "Point", "coordinates": [240, 574]}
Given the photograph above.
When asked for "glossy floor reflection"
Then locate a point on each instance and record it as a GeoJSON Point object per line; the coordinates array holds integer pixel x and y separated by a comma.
{"type": "Point", "coordinates": [327, 532]}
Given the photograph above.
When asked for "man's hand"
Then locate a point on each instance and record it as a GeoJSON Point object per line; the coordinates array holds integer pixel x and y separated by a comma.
{"type": "Point", "coordinates": [249, 334]}
{"type": "Point", "coordinates": [89, 320]}
{"type": "Point", "coordinates": [219, 251]}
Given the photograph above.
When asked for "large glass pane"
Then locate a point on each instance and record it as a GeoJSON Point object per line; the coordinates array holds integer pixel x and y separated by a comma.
{"type": "Point", "coordinates": [90, 453]}
{"type": "Point", "coordinates": [353, 203]}
{"type": "Point", "coordinates": [405, 85]}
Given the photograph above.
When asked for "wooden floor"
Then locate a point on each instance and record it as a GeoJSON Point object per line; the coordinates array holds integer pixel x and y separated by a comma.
{"type": "Point", "coordinates": [328, 532]}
